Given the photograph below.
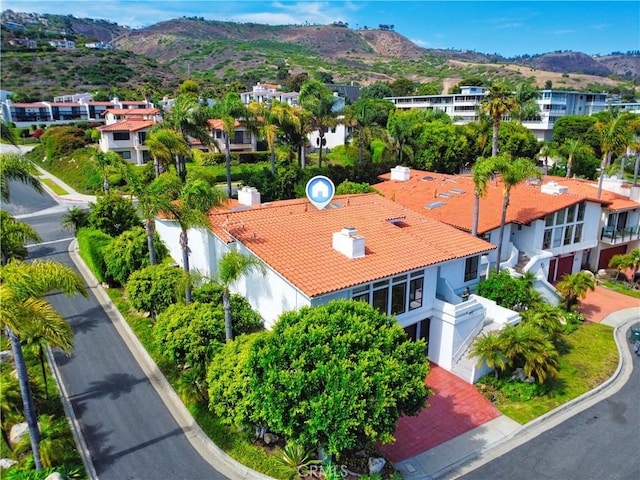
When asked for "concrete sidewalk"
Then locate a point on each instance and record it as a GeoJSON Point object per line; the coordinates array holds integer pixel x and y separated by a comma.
{"type": "Point", "coordinates": [496, 437]}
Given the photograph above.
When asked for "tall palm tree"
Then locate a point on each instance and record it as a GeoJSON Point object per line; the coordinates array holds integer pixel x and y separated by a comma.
{"type": "Point", "coordinates": [319, 101]}
{"type": "Point", "coordinates": [74, 219]}
{"type": "Point", "coordinates": [267, 126]}
{"type": "Point", "coordinates": [575, 286]}
{"type": "Point", "coordinates": [189, 210]}
{"type": "Point", "coordinates": [613, 135]}
{"type": "Point", "coordinates": [22, 308]}
{"type": "Point", "coordinates": [497, 103]}
{"type": "Point", "coordinates": [482, 172]}
{"type": "Point", "coordinates": [574, 149]}
{"type": "Point", "coordinates": [106, 161]}
{"type": "Point", "coordinates": [525, 108]}
{"type": "Point", "coordinates": [231, 111]}
{"type": "Point", "coordinates": [13, 236]}
{"type": "Point", "coordinates": [487, 348]}
{"type": "Point", "coordinates": [165, 145]}
{"type": "Point", "coordinates": [232, 266]}
{"type": "Point", "coordinates": [512, 173]}
{"type": "Point", "coordinates": [291, 122]}
{"type": "Point", "coordinates": [14, 166]}
{"type": "Point", "coordinates": [152, 199]}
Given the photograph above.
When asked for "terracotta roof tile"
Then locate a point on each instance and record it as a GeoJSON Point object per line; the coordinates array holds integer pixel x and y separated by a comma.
{"type": "Point", "coordinates": [456, 194]}
{"type": "Point", "coordinates": [128, 125]}
{"type": "Point", "coordinates": [295, 239]}
{"type": "Point", "coordinates": [134, 112]}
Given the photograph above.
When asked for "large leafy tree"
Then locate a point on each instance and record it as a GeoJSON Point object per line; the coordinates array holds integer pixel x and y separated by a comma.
{"type": "Point", "coordinates": [154, 288]}
{"type": "Point", "coordinates": [319, 101]}
{"type": "Point", "coordinates": [113, 214]}
{"type": "Point", "coordinates": [16, 167]}
{"type": "Point", "coordinates": [403, 127]}
{"type": "Point", "coordinates": [443, 146]}
{"type": "Point", "coordinates": [574, 286]}
{"type": "Point", "coordinates": [367, 117]}
{"type": "Point", "coordinates": [189, 210]}
{"type": "Point", "coordinates": [512, 173]}
{"type": "Point", "coordinates": [13, 236]}
{"type": "Point", "coordinates": [337, 376]}
{"type": "Point", "coordinates": [234, 265]}
{"type": "Point", "coordinates": [23, 309]}
{"type": "Point", "coordinates": [497, 103]}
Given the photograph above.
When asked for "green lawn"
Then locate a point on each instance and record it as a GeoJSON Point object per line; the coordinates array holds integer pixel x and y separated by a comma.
{"type": "Point", "coordinates": [592, 357]}
{"type": "Point", "coordinates": [620, 288]}
{"type": "Point", "coordinates": [57, 189]}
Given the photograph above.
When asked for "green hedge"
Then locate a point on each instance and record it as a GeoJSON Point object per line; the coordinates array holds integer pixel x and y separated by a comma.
{"type": "Point", "coordinates": [209, 159]}
{"type": "Point", "coordinates": [91, 244]}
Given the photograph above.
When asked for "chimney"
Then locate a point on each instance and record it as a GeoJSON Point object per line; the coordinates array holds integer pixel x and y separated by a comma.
{"type": "Point", "coordinates": [400, 173]}
{"type": "Point", "coordinates": [248, 196]}
{"type": "Point", "coordinates": [349, 243]}
{"type": "Point", "coordinates": [553, 188]}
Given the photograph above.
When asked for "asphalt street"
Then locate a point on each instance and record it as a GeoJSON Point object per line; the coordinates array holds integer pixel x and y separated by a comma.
{"type": "Point", "coordinates": [128, 430]}
{"type": "Point", "coordinates": [598, 443]}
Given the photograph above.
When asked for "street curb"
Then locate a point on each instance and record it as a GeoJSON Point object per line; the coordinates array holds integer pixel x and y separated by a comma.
{"type": "Point", "coordinates": [554, 417]}
{"type": "Point", "coordinates": [209, 451]}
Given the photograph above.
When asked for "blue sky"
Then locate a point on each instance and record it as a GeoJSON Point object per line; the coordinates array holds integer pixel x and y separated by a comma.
{"type": "Point", "coordinates": [509, 28]}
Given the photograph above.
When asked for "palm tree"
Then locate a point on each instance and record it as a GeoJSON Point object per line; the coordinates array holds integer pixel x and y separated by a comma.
{"type": "Point", "coordinates": [105, 161]}
{"type": "Point", "coordinates": [548, 149]}
{"type": "Point", "coordinates": [23, 309]}
{"type": "Point", "coordinates": [232, 266]}
{"type": "Point", "coordinates": [526, 108]}
{"type": "Point", "coordinates": [16, 167]}
{"type": "Point", "coordinates": [574, 149]}
{"type": "Point", "coordinates": [13, 236]}
{"type": "Point", "coordinates": [482, 172]}
{"type": "Point", "coordinates": [164, 146]}
{"type": "Point", "coordinates": [195, 199]}
{"type": "Point", "coordinates": [318, 100]}
{"type": "Point", "coordinates": [624, 261]}
{"type": "Point", "coordinates": [512, 173]}
{"type": "Point", "coordinates": [6, 134]}
{"type": "Point", "coordinates": [613, 135]}
{"type": "Point", "coordinates": [545, 317]}
{"type": "Point", "coordinates": [400, 126]}
{"type": "Point", "coordinates": [152, 199]}
{"type": "Point", "coordinates": [75, 219]}
{"type": "Point", "coordinates": [291, 123]}
{"type": "Point", "coordinates": [527, 347]}
{"type": "Point", "coordinates": [574, 287]}
{"type": "Point", "coordinates": [497, 103]}
{"type": "Point", "coordinates": [267, 126]}
{"type": "Point", "coordinates": [487, 348]}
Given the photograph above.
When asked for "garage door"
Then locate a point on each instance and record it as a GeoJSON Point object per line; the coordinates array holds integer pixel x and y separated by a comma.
{"type": "Point", "coordinates": [559, 266]}
{"type": "Point", "coordinates": [605, 255]}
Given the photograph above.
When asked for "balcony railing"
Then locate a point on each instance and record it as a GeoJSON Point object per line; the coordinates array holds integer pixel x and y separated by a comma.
{"type": "Point", "coordinates": [619, 235]}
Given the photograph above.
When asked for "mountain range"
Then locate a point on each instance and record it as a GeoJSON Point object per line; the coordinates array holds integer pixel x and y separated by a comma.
{"type": "Point", "coordinates": [166, 53]}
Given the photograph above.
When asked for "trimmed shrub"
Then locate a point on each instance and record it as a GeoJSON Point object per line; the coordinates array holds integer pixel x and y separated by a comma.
{"type": "Point", "coordinates": [113, 214]}
{"type": "Point", "coordinates": [92, 244]}
{"type": "Point", "coordinates": [155, 288]}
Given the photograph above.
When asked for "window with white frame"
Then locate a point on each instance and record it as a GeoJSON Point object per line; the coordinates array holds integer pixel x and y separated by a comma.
{"type": "Point", "coordinates": [471, 268]}
{"type": "Point", "coordinates": [393, 296]}
{"type": "Point", "coordinates": [563, 227]}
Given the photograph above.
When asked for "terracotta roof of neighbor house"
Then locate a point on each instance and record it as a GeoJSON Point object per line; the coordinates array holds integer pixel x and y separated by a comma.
{"type": "Point", "coordinates": [64, 104]}
{"type": "Point", "coordinates": [91, 102]}
{"type": "Point", "coordinates": [295, 239]}
{"type": "Point", "coordinates": [128, 125]}
{"type": "Point", "coordinates": [134, 112]}
{"type": "Point", "coordinates": [217, 124]}
{"type": "Point", "coordinates": [29, 105]}
{"type": "Point", "coordinates": [450, 198]}
{"type": "Point", "coordinates": [612, 200]}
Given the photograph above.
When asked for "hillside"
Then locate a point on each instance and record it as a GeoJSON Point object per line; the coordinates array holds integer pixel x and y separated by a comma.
{"type": "Point", "coordinates": [163, 55]}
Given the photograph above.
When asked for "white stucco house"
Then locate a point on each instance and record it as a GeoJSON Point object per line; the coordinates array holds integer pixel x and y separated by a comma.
{"type": "Point", "coordinates": [125, 132]}
{"type": "Point", "coordinates": [361, 247]}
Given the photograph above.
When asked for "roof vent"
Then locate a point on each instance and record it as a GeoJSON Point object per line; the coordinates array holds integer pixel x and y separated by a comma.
{"type": "Point", "coordinates": [400, 173]}
{"type": "Point", "coordinates": [248, 196]}
{"type": "Point", "coordinates": [349, 243]}
{"type": "Point", "coordinates": [553, 188]}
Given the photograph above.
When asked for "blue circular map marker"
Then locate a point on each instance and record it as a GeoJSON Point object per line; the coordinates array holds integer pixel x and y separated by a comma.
{"type": "Point", "coordinates": [320, 191]}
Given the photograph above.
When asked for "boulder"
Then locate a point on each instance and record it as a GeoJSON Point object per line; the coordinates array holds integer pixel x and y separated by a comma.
{"type": "Point", "coordinates": [17, 432]}
{"type": "Point", "coordinates": [376, 464]}
{"type": "Point", "coordinates": [7, 463]}
{"type": "Point", "coordinates": [270, 438]}
{"type": "Point", "coordinates": [6, 355]}
{"type": "Point", "coordinates": [55, 476]}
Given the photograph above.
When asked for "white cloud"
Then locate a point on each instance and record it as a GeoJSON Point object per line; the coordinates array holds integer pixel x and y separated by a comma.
{"type": "Point", "coordinates": [421, 43]}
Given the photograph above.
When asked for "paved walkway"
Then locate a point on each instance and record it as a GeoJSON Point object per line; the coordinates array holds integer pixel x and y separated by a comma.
{"type": "Point", "coordinates": [602, 302]}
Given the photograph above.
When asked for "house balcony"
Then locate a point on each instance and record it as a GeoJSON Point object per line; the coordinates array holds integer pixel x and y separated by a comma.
{"type": "Point", "coordinates": [617, 236]}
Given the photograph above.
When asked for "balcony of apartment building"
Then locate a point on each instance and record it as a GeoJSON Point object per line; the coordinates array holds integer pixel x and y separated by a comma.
{"type": "Point", "coordinates": [621, 227]}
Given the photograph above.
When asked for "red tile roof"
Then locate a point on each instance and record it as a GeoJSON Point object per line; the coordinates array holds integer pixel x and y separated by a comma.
{"type": "Point", "coordinates": [29, 105]}
{"type": "Point", "coordinates": [295, 239]}
{"type": "Point", "coordinates": [134, 112]}
{"type": "Point", "coordinates": [128, 125]}
{"type": "Point", "coordinates": [456, 193]}
{"type": "Point", "coordinates": [217, 124]}
{"type": "Point", "coordinates": [64, 104]}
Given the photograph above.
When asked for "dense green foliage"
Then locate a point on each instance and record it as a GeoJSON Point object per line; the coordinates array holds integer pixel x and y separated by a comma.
{"type": "Point", "coordinates": [92, 244]}
{"type": "Point", "coordinates": [129, 252]}
{"type": "Point", "coordinates": [336, 376]}
{"type": "Point", "coordinates": [507, 291]}
{"type": "Point", "coordinates": [155, 288]}
{"type": "Point", "coordinates": [62, 141]}
{"type": "Point", "coordinates": [113, 214]}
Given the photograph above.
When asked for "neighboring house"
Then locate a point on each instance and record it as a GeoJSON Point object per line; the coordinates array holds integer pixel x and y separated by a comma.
{"type": "Point", "coordinates": [64, 43]}
{"type": "Point", "coordinates": [99, 45]}
{"type": "Point", "coordinates": [360, 247]}
{"type": "Point", "coordinates": [241, 141]}
{"type": "Point", "coordinates": [125, 132]}
{"type": "Point", "coordinates": [553, 226]}
{"type": "Point", "coordinates": [333, 137]}
{"type": "Point", "coordinates": [67, 111]}
{"type": "Point", "coordinates": [463, 107]}
{"type": "Point", "coordinates": [26, 114]}
{"type": "Point", "coordinates": [267, 92]}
